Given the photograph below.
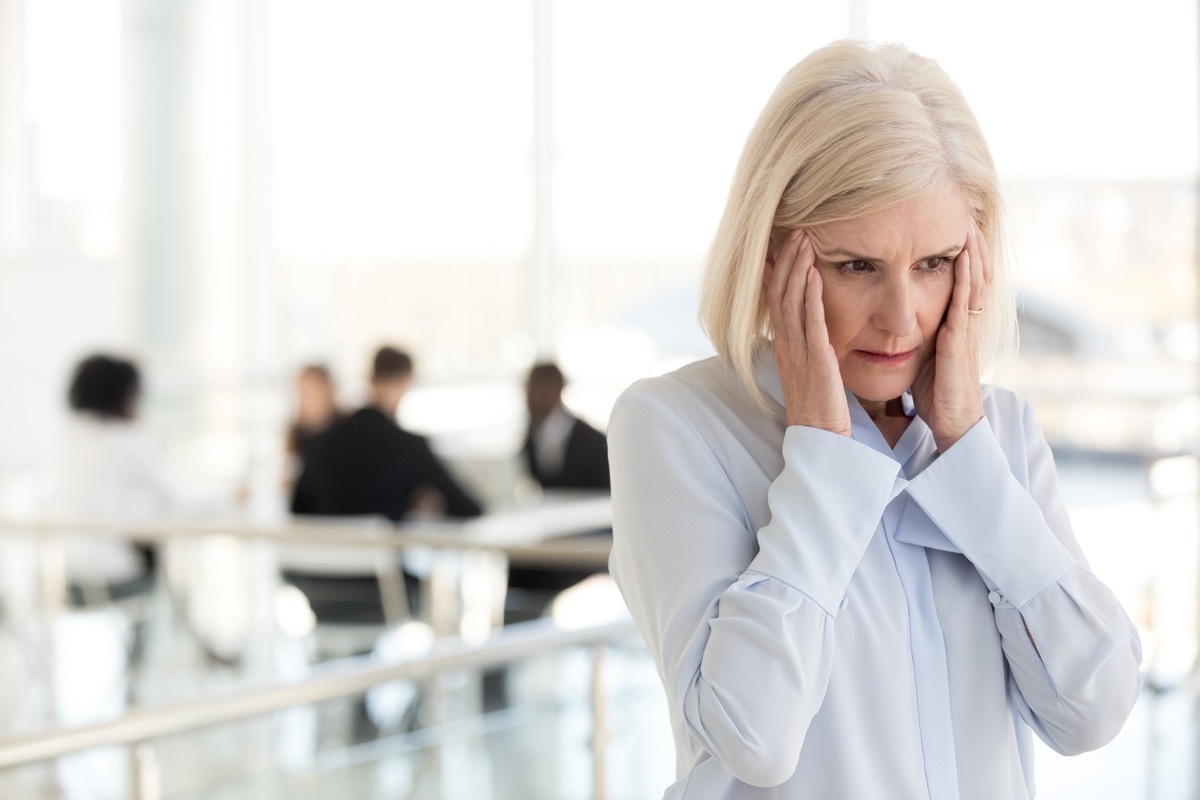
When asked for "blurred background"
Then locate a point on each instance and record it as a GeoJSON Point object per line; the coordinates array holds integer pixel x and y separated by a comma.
{"type": "Point", "coordinates": [228, 189]}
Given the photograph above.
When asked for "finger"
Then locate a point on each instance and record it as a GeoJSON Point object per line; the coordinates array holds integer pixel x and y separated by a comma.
{"type": "Point", "coordinates": [989, 266]}
{"type": "Point", "coordinates": [778, 271]}
{"type": "Point", "coordinates": [978, 294]}
{"type": "Point", "coordinates": [956, 313]}
{"type": "Point", "coordinates": [815, 330]}
{"type": "Point", "coordinates": [793, 306]}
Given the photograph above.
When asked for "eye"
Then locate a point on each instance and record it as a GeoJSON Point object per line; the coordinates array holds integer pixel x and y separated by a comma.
{"type": "Point", "coordinates": [936, 265]}
{"type": "Point", "coordinates": [853, 267]}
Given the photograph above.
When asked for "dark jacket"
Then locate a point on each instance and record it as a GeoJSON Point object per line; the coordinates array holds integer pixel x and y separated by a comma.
{"type": "Point", "coordinates": [584, 465]}
{"type": "Point", "coordinates": [366, 464]}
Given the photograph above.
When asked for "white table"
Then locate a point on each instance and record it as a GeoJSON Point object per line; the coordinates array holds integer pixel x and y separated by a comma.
{"type": "Point", "coordinates": [551, 529]}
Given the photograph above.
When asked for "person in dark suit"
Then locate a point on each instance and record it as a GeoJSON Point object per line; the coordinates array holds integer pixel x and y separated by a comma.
{"type": "Point", "coordinates": [561, 451]}
{"type": "Point", "coordinates": [367, 464]}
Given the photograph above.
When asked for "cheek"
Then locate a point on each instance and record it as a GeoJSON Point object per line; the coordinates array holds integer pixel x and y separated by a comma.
{"type": "Point", "coordinates": [843, 315]}
{"type": "Point", "coordinates": [934, 305]}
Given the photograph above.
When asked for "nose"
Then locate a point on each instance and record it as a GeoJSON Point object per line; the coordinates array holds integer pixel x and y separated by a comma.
{"type": "Point", "coordinates": [895, 308]}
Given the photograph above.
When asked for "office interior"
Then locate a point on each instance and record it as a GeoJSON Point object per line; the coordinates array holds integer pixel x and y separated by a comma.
{"type": "Point", "coordinates": [227, 190]}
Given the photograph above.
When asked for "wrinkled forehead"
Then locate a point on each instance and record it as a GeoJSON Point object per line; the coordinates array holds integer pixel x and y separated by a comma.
{"type": "Point", "coordinates": [927, 225]}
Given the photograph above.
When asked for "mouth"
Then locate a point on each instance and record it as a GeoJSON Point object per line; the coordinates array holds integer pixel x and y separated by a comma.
{"type": "Point", "coordinates": [885, 359]}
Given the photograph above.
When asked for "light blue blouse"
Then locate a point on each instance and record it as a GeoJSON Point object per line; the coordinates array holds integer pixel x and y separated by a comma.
{"type": "Point", "coordinates": [836, 619]}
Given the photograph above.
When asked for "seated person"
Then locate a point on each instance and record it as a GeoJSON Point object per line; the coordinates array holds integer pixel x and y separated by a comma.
{"type": "Point", "coordinates": [316, 409]}
{"type": "Point", "coordinates": [561, 451]}
{"type": "Point", "coordinates": [367, 464]}
{"type": "Point", "coordinates": [107, 468]}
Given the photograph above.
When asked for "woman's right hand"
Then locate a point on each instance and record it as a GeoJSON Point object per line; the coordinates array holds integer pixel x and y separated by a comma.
{"type": "Point", "coordinates": [808, 367]}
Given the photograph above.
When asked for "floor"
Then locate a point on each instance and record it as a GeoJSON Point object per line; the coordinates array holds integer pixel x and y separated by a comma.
{"type": "Point", "coordinates": [1138, 529]}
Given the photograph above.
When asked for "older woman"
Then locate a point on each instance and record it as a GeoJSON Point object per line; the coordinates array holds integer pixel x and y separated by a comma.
{"type": "Point", "coordinates": [851, 562]}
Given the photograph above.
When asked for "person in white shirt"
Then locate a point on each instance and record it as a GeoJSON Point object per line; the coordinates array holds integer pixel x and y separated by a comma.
{"type": "Point", "coordinates": [107, 468]}
{"type": "Point", "coordinates": [848, 557]}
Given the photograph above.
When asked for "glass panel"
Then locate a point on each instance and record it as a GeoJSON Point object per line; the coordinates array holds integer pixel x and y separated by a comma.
{"type": "Point", "coordinates": [73, 80]}
{"type": "Point", "coordinates": [520, 732]}
{"type": "Point", "coordinates": [401, 189]}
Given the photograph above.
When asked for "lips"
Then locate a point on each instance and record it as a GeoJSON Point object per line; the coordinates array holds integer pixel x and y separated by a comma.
{"type": "Point", "coordinates": [885, 359]}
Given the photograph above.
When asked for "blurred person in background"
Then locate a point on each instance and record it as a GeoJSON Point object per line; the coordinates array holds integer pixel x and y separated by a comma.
{"type": "Point", "coordinates": [316, 409]}
{"type": "Point", "coordinates": [106, 468]}
{"type": "Point", "coordinates": [561, 451]}
{"type": "Point", "coordinates": [850, 560]}
{"type": "Point", "coordinates": [366, 464]}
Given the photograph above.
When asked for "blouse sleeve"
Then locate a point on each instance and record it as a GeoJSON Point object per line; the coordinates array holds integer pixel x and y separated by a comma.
{"type": "Point", "coordinates": [1073, 654]}
{"type": "Point", "coordinates": [740, 622]}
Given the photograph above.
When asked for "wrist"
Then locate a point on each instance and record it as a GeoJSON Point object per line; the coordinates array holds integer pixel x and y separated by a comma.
{"type": "Point", "coordinates": [840, 427]}
{"type": "Point", "coordinates": [946, 439]}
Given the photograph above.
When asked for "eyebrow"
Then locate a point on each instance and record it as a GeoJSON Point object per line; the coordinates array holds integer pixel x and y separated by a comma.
{"type": "Point", "coordinates": [946, 252]}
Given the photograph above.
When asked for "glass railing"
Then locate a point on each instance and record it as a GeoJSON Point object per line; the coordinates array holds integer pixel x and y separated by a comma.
{"type": "Point", "coordinates": [528, 713]}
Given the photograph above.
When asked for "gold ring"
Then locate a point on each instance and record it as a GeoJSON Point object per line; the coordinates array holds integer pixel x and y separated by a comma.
{"type": "Point", "coordinates": [974, 310]}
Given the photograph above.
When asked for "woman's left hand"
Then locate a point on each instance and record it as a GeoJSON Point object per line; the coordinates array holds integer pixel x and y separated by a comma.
{"type": "Point", "coordinates": [946, 391]}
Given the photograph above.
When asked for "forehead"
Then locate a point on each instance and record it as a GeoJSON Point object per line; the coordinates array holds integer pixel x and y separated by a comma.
{"type": "Point", "coordinates": [313, 378]}
{"type": "Point", "coordinates": [930, 223]}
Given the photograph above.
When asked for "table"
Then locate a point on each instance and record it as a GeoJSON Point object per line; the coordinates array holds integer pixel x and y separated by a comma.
{"type": "Point", "coordinates": [558, 528]}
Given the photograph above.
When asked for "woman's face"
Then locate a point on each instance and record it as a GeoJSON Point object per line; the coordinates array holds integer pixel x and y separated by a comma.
{"type": "Point", "coordinates": [887, 279]}
{"type": "Point", "coordinates": [316, 402]}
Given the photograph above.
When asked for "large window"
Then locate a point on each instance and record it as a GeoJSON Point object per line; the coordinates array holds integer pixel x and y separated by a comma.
{"type": "Point", "coordinates": [400, 179]}
{"type": "Point", "coordinates": [272, 182]}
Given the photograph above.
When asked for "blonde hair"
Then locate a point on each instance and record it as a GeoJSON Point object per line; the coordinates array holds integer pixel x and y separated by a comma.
{"type": "Point", "coordinates": [851, 130]}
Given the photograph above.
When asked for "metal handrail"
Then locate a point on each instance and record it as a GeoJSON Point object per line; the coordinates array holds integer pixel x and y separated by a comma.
{"type": "Point", "coordinates": [572, 512]}
{"type": "Point", "coordinates": [335, 679]}
{"type": "Point", "coordinates": [549, 535]}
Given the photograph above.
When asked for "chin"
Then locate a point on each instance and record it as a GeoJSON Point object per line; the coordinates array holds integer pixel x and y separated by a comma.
{"type": "Point", "coordinates": [878, 391]}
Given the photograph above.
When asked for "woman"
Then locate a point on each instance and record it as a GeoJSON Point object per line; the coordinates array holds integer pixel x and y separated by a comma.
{"type": "Point", "coordinates": [316, 409]}
{"type": "Point", "coordinates": [853, 567]}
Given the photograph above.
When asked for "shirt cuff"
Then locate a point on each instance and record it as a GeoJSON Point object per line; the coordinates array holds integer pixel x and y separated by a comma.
{"type": "Point", "coordinates": [825, 506]}
{"type": "Point", "coordinates": [971, 494]}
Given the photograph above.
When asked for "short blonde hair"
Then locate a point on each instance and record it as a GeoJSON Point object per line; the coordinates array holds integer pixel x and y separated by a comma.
{"type": "Point", "coordinates": [851, 130]}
